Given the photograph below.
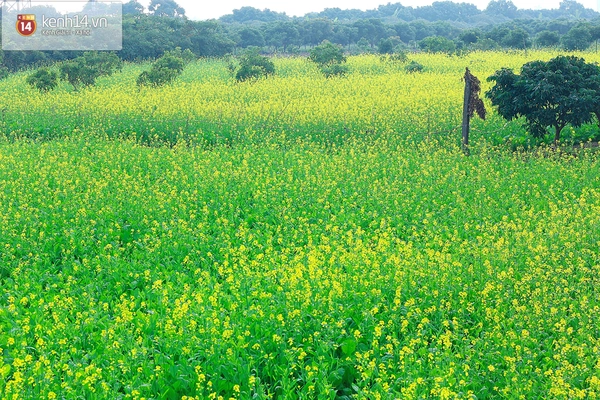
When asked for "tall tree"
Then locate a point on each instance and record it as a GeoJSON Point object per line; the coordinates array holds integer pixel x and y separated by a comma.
{"type": "Point", "coordinates": [371, 29]}
{"type": "Point", "coordinates": [505, 8]}
{"type": "Point", "coordinates": [517, 38]}
{"type": "Point", "coordinates": [547, 38]}
{"type": "Point", "coordinates": [132, 7]}
{"type": "Point", "coordinates": [578, 38]}
{"type": "Point", "coordinates": [317, 30]}
{"type": "Point", "coordinates": [166, 8]}
{"type": "Point", "coordinates": [281, 34]}
{"type": "Point", "coordinates": [249, 36]}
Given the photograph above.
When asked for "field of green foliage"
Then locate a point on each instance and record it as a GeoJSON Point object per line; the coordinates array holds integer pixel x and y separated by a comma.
{"type": "Point", "coordinates": [294, 238]}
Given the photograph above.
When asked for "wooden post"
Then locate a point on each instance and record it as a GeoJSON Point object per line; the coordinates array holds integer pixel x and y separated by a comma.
{"type": "Point", "coordinates": [466, 116]}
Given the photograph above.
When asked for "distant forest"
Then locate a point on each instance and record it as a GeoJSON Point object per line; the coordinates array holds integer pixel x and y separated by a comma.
{"type": "Point", "coordinates": [443, 26]}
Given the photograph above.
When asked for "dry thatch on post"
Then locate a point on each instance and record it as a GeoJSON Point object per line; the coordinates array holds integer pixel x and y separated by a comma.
{"type": "Point", "coordinates": [472, 104]}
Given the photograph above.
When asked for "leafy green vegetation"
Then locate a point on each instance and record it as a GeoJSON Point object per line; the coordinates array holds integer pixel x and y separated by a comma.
{"type": "Point", "coordinates": [330, 59]}
{"type": "Point", "coordinates": [414, 66]}
{"type": "Point", "coordinates": [84, 70]}
{"type": "Point", "coordinates": [43, 80]}
{"type": "Point", "coordinates": [165, 70]}
{"type": "Point", "coordinates": [253, 66]}
{"type": "Point", "coordinates": [560, 92]}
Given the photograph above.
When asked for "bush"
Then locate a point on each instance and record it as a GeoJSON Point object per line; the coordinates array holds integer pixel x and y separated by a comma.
{"type": "Point", "coordinates": [77, 73]}
{"type": "Point", "coordinates": [330, 59]}
{"type": "Point", "coordinates": [397, 57]}
{"type": "Point", "coordinates": [84, 70]}
{"type": "Point", "coordinates": [547, 38]}
{"type": "Point", "coordinates": [232, 67]}
{"type": "Point", "coordinates": [165, 70]}
{"type": "Point", "coordinates": [386, 46]}
{"type": "Point", "coordinates": [485, 45]}
{"type": "Point", "coordinates": [327, 54]}
{"type": "Point", "coordinates": [43, 80]}
{"type": "Point", "coordinates": [186, 55]}
{"type": "Point", "coordinates": [254, 66]}
{"type": "Point", "coordinates": [548, 94]}
{"type": "Point", "coordinates": [334, 70]}
{"type": "Point", "coordinates": [105, 63]}
{"type": "Point", "coordinates": [578, 38]}
{"type": "Point", "coordinates": [414, 66]}
{"type": "Point", "coordinates": [4, 72]}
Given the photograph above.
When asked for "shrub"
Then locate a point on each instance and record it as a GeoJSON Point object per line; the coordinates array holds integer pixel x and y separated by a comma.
{"type": "Point", "coordinates": [386, 46]}
{"type": "Point", "coordinates": [43, 80]}
{"type": "Point", "coordinates": [548, 94]}
{"type": "Point", "coordinates": [4, 72]}
{"type": "Point", "coordinates": [84, 70]}
{"type": "Point", "coordinates": [327, 54]}
{"type": "Point", "coordinates": [330, 59]}
{"type": "Point", "coordinates": [397, 57]}
{"type": "Point", "coordinates": [77, 73]}
{"type": "Point", "coordinates": [254, 66]}
{"type": "Point", "coordinates": [437, 44]}
{"type": "Point", "coordinates": [414, 66]}
{"type": "Point", "coordinates": [334, 70]}
{"type": "Point", "coordinates": [186, 55]}
{"type": "Point", "coordinates": [165, 70]}
{"type": "Point", "coordinates": [105, 63]}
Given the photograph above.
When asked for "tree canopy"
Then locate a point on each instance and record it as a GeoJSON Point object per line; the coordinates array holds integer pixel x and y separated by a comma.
{"type": "Point", "coordinates": [548, 94]}
{"type": "Point", "coordinates": [166, 8]}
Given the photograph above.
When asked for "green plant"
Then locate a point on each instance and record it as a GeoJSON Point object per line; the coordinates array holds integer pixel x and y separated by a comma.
{"type": "Point", "coordinates": [43, 80]}
{"type": "Point", "coordinates": [334, 70]}
{"type": "Point", "coordinates": [165, 70]}
{"type": "Point", "coordinates": [386, 46]}
{"type": "Point", "coordinates": [254, 66]}
{"type": "Point", "coordinates": [4, 73]}
{"type": "Point", "coordinates": [84, 70]}
{"type": "Point", "coordinates": [186, 55]}
{"type": "Point", "coordinates": [437, 44]}
{"type": "Point", "coordinates": [414, 66]}
{"type": "Point", "coordinates": [330, 59]}
{"type": "Point", "coordinates": [399, 56]}
{"type": "Point", "coordinates": [556, 93]}
{"type": "Point", "coordinates": [327, 53]}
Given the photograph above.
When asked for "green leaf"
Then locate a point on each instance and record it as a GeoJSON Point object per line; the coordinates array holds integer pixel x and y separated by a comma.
{"type": "Point", "coordinates": [348, 346]}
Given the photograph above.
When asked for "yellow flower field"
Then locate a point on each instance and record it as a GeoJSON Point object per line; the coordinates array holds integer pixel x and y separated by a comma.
{"type": "Point", "coordinates": [208, 105]}
{"type": "Point", "coordinates": [292, 238]}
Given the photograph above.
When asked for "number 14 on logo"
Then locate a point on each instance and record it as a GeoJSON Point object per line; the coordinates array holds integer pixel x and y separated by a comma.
{"type": "Point", "coordinates": [26, 24]}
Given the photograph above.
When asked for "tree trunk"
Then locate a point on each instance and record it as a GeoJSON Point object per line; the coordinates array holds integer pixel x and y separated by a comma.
{"type": "Point", "coordinates": [557, 135]}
